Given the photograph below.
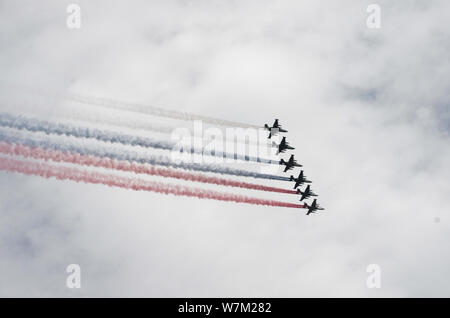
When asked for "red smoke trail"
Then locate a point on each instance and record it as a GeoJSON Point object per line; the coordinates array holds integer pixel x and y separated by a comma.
{"type": "Point", "coordinates": [65, 173]}
{"type": "Point", "coordinates": [58, 156]}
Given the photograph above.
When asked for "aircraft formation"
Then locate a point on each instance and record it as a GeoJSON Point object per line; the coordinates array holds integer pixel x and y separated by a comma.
{"type": "Point", "coordinates": [80, 146]}
{"type": "Point", "coordinates": [291, 163]}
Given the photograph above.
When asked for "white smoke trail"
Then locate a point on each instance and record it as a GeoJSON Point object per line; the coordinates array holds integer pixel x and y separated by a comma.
{"type": "Point", "coordinates": [35, 125]}
{"type": "Point", "coordinates": [131, 156]}
{"type": "Point", "coordinates": [112, 118]}
{"type": "Point", "coordinates": [152, 110]}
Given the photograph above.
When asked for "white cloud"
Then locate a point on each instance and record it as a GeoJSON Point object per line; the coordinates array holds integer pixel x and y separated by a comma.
{"type": "Point", "coordinates": [366, 109]}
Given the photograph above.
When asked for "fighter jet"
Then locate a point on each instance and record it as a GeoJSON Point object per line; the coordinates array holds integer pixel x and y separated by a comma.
{"type": "Point", "coordinates": [307, 193]}
{"type": "Point", "coordinates": [276, 128]}
{"type": "Point", "coordinates": [313, 207]}
{"type": "Point", "coordinates": [301, 179]}
{"type": "Point", "coordinates": [290, 164]}
{"type": "Point", "coordinates": [283, 146]}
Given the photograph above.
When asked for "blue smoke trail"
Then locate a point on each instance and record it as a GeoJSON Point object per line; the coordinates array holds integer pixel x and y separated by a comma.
{"type": "Point", "coordinates": [131, 156]}
{"type": "Point", "coordinates": [35, 125]}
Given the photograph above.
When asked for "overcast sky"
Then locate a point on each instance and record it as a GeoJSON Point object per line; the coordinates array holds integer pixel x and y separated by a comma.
{"type": "Point", "coordinates": [366, 109]}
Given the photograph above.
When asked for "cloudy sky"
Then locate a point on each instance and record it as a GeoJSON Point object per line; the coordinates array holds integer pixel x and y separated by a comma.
{"type": "Point", "coordinates": [367, 110]}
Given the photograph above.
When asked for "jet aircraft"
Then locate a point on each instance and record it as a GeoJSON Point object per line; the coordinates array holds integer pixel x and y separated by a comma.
{"type": "Point", "coordinates": [283, 146]}
{"type": "Point", "coordinates": [313, 207]}
{"type": "Point", "coordinates": [276, 128]}
{"type": "Point", "coordinates": [290, 164]}
{"type": "Point", "coordinates": [301, 179]}
{"type": "Point", "coordinates": [307, 193]}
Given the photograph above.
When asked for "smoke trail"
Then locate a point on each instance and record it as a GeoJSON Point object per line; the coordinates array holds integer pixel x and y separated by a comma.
{"type": "Point", "coordinates": [34, 125]}
{"type": "Point", "coordinates": [77, 175]}
{"type": "Point", "coordinates": [128, 106]}
{"type": "Point", "coordinates": [131, 156]}
{"type": "Point", "coordinates": [58, 156]}
{"type": "Point", "coordinates": [69, 113]}
{"type": "Point", "coordinates": [151, 110]}
{"type": "Point", "coordinates": [95, 118]}
{"type": "Point", "coordinates": [135, 123]}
